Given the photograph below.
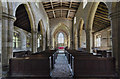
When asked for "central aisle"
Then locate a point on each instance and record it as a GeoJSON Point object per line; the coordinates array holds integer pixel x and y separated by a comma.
{"type": "Point", "coordinates": [61, 67]}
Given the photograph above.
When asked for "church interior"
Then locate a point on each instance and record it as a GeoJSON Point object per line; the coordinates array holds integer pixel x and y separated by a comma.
{"type": "Point", "coordinates": [58, 39]}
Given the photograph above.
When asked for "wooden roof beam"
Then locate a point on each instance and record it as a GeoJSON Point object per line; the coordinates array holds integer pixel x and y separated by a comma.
{"type": "Point", "coordinates": [69, 7]}
{"type": "Point", "coordinates": [102, 17]}
{"type": "Point", "coordinates": [59, 8]}
{"type": "Point", "coordinates": [52, 8]}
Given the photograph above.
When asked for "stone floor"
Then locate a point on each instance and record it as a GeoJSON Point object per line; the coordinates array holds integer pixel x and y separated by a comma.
{"type": "Point", "coordinates": [61, 70]}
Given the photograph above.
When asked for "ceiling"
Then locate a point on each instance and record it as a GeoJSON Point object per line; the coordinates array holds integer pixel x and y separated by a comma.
{"type": "Point", "coordinates": [22, 19]}
{"type": "Point", "coordinates": [61, 9]}
{"type": "Point", "coordinates": [101, 20]}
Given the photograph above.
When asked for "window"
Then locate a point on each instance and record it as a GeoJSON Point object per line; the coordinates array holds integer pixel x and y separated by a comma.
{"type": "Point", "coordinates": [98, 41]}
{"type": "Point", "coordinates": [39, 39]}
{"type": "Point", "coordinates": [74, 20]}
{"type": "Point", "coordinates": [60, 38]}
{"type": "Point", "coordinates": [16, 40]}
{"type": "Point", "coordinates": [28, 42]}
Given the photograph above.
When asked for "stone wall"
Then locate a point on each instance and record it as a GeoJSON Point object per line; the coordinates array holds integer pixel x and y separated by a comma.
{"type": "Point", "coordinates": [105, 39]}
{"type": "Point", "coordinates": [23, 38]}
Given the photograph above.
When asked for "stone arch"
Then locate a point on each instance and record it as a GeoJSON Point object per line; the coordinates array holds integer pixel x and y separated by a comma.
{"type": "Point", "coordinates": [65, 37]}
{"type": "Point", "coordinates": [89, 25]}
{"type": "Point", "coordinates": [30, 14]}
{"type": "Point", "coordinates": [63, 27]}
{"type": "Point", "coordinates": [41, 32]}
{"type": "Point", "coordinates": [91, 15]}
{"type": "Point", "coordinates": [31, 21]}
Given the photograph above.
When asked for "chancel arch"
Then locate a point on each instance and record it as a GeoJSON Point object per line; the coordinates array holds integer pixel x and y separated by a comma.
{"type": "Point", "coordinates": [61, 38]}
{"type": "Point", "coordinates": [60, 28]}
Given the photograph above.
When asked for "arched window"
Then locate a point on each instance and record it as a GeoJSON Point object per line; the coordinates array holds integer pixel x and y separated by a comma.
{"type": "Point", "coordinates": [28, 41]}
{"type": "Point", "coordinates": [16, 40]}
{"type": "Point", "coordinates": [98, 41]}
{"type": "Point", "coordinates": [39, 39]}
{"type": "Point", "coordinates": [60, 38]}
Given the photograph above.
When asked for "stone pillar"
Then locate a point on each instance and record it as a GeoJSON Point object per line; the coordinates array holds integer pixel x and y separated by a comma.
{"type": "Point", "coordinates": [115, 17]}
{"type": "Point", "coordinates": [7, 41]}
{"type": "Point", "coordinates": [71, 43]}
{"type": "Point", "coordinates": [82, 39]}
{"type": "Point", "coordinates": [89, 40]}
{"type": "Point", "coordinates": [0, 30]}
{"type": "Point", "coordinates": [34, 41]}
{"type": "Point", "coordinates": [46, 40]}
{"type": "Point", "coordinates": [41, 43]}
{"type": "Point", "coordinates": [44, 43]}
{"type": "Point", "coordinates": [76, 41]}
{"type": "Point", "coordinates": [10, 37]}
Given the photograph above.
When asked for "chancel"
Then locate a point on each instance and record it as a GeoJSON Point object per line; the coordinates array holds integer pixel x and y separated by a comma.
{"type": "Point", "coordinates": [59, 39]}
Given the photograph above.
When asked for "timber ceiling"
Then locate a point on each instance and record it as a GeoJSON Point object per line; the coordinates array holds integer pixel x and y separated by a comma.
{"type": "Point", "coordinates": [61, 9]}
{"type": "Point", "coordinates": [101, 20]}
{"type": "Point", "coordinates": [22, 19]}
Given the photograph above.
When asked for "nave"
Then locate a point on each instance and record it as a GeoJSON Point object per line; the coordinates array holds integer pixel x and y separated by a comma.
{"type": "Point", "coordinates": [32, 33]}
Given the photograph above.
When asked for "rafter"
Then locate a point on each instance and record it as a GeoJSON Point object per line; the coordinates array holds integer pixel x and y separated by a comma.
{"type": "Point", "coordinates": [63, 18]}
{"type": "Point", "coordinates": [69, 7]}
{"type": "Point", "coordinates": [52, 8]}
{"type": "Point", "coordinates": [102, 17]}
{"type": "Point", "coordinates": [60, 8]}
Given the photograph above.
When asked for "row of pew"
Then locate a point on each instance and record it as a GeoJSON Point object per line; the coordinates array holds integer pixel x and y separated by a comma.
{"type": "Point", "coordinates": [37, 64]}
{"type": "Point", "coordinates": [87, 65]}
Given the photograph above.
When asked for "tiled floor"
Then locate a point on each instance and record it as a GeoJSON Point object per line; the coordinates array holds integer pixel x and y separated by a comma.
{"type": "Point", "coordinates": [61, 70]}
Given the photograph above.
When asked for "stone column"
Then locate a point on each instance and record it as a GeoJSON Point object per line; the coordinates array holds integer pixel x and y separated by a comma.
{"type": "Point", "coordinates": [76, 41]}
{"type": "Point", "coordinates": [34, 41]}
{"type": "Point", "coordinates": [0, 31]}
{"type": "Point", "coordinates": [7, 41]}
{"type": "Point", "coordinates": [71, 43]}
{"type": "Point", "coordinates": [89, 40]}
{"type": "Point", "coordinates": [115, 17]}
{"type": "Point", "coordinates": [46, 40]}
{"type": "Point", "coordinates": [44, 43]}
{"type": "Point", "coordinates": [41, 43]}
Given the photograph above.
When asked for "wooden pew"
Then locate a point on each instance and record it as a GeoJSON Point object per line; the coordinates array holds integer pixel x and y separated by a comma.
{"type": "Point", "coordinates": [74, 53]}
{"type": "Point", "coordinates": [35, 65]}
{"type": "Point", "coordinates": [104, 53]}
{"type": "Point", "coordinates": [30, 67]}
{"type": "Point", "coordinates": [86, 65]}
{"type": "Point", "coordinates": [47, 53]}
{"type": "Point", "coordinates": [94, 67]}
{"type": "Point", "coordinates": [21, 54]}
